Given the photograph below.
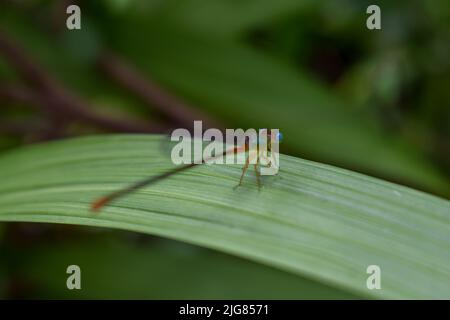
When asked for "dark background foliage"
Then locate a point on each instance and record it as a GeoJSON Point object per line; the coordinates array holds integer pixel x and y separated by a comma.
{"type": "Point", "coordinates": [370, 101]}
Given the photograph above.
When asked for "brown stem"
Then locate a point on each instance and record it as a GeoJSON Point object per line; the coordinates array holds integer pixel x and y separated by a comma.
{"type": "Point", "coordinates": [148, 91]}
{"type": "Point", "coordinates": [17, 128]}
{"type": "Point", "coordinates": [61, 112]}
{"type": "Point", "coordinates": [30, 71]}
{"type": "Point", "coordinates": [55, 98]}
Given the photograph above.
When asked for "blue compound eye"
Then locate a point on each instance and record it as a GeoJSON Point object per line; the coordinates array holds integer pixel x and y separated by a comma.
{"type": "Point", "coordinates": [279, 137]}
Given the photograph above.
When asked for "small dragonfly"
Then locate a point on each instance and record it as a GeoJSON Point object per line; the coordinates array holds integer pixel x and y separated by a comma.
{"type": "Point", "coordinates": [264, 151]}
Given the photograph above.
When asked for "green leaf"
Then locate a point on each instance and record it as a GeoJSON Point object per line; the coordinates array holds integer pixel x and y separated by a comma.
{"type": "Point", "coordinates": [315, 220]}
{"type": "Point", "coordinates": [223, 18]}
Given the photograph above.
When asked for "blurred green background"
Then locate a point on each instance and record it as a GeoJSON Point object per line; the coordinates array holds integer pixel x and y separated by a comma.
{"type": "Point", "coordinates": [375, 102]}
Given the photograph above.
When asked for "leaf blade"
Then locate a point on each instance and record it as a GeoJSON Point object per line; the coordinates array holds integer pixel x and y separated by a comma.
{"type": "Point", "coordinates": [319, 221]}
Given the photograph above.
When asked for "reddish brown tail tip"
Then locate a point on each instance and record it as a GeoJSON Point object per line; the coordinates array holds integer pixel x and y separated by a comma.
{"type": "Point", "coordinates": [97, 205]}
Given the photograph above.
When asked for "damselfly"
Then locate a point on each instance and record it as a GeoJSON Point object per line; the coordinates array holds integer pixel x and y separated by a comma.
{"type": "Point", "coordinates": [259, 154]}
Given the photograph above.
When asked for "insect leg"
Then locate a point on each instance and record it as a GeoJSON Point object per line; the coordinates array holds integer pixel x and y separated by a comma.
{"type": "Point", "coordinates": [258, 175]}
{"type": "Point", "coordinates": [247, 162]}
